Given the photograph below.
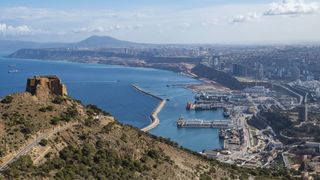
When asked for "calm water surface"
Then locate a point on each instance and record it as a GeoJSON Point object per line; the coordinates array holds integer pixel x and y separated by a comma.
{"type": "Point", "coordinates": [109, 87]}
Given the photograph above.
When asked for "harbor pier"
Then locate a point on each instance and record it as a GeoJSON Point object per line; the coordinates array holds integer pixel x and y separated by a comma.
{"type": "Point", "coordinates": [199, 123]}
{"type": "Point", "coordinates": [154, 115]}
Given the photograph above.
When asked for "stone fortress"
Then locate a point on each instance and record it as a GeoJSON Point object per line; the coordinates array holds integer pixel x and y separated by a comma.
{"type": "Point", "coordinates": [43, 86]}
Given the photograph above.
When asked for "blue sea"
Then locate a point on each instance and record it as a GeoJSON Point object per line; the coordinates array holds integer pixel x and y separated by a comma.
{"type": "Point", "coordinates": [109, 87]}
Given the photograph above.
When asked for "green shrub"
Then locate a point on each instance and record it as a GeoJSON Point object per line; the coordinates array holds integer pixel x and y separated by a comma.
{"type": "Point", "coordinates": [154, 154]}
{"type": "Point", "coordinates": [45, 109]}
{"type": "Point", "coordinates": [2, 151]}
{"type": "Point", "coordinates": [89, 122]}
{"type": "Point", "coordinates": [48, 155]}
{"type": "Point", "coordinates": [43, 142]}
{"type": "Point", "coordinates": [107, 128]}
{"type": "Point", "coordinates": [25, 130]}
{"type": "Point", "coordinates": [93, 110]}
{"type": "Point", "coordinates": [7, 100]}
{"type": "Point", "coordinates": [205, 176]}
{"type": "Point", "coordinates": [69, 114]}
{"type": "Point", "coordinates": [54, 121]}
{"type": "Point", "coordinates": [19, 167]}
{"type": "Point", "coordinates": [58, 100]}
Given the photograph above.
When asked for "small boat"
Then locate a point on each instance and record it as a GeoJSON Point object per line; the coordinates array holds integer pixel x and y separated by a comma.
{"type": "Point", "coordinates": [11, 65]}
{"type": "Point", "coordinates": [226, 114]}
{"type": "Point", "coordinates": [13, 71]}
{"type": "Point", "coordinates": [222, 134]}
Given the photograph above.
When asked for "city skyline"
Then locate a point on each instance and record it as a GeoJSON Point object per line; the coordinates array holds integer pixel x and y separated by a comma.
{"type": "Point", "coordinates": [204, 21]}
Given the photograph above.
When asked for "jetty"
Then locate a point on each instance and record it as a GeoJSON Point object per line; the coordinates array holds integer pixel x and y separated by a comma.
{"type": "Point", "coordinates": [154, 115]}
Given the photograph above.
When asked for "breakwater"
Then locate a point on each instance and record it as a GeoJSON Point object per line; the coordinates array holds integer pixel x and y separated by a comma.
{"type": "Point", "coordinates": [154, 115]}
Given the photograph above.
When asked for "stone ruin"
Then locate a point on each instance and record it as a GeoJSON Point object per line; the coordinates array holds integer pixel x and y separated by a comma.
{"type": "Point", "coordinates": [43, 86]}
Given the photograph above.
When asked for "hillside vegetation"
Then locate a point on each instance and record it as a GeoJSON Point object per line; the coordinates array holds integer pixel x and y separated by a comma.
{"type": "Point", "coordinates": [83, 142]}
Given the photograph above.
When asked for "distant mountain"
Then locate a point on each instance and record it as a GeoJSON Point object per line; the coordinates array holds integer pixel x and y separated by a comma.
{"type": "Point", "coordinates": [93, 42]}
{"type": "Point", "coordinates": [7, 46]}
{"type": "Point", "coordinates": [103, 41]}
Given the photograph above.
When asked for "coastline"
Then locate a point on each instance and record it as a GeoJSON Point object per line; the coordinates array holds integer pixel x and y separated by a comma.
{"type": "Point", "coordinates": [154, 115]}
{"type": "Point", "coordinates": [166, 128]}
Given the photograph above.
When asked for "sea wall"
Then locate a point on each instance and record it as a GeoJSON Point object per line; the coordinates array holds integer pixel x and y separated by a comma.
{"type": "Point", "coordinates": [154, 115]}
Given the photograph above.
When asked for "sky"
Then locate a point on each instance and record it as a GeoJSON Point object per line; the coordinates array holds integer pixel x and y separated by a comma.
{"type": "Point", "coordinates": [163, 21]}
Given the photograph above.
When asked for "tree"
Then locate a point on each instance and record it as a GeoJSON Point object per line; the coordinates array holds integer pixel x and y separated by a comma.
{"type": "Point", "coordinates": [20, 166]}
{"type": "Point", "coordinates": [7, 100]}
{"type": "Point", "coordinates": [43, 142]}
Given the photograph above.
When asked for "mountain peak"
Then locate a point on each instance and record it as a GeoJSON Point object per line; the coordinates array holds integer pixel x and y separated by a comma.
{"type": "Point", "coordinates": [102, 41]}
{"type": "Point", "coordinates": [97, 37]}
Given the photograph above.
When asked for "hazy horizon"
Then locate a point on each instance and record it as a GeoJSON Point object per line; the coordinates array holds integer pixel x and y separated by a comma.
{"type": "Point", "coordinates": [163, 22]}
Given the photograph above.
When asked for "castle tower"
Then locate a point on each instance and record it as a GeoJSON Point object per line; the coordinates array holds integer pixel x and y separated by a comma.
{"type": "Point", "coordinates": [43, 86]}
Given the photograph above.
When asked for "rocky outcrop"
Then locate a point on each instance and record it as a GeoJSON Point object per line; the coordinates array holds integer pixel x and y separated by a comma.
{"type": "Point", "coordinates": [43, 86]}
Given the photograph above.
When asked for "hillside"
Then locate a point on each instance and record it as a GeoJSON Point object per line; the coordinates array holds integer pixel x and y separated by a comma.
{"type": "Point", "coordinates": [7, 46]}
{"type": "Point", "coordinates": [220, 77]}
{"type": "Point", "coordinates": [46, 136]}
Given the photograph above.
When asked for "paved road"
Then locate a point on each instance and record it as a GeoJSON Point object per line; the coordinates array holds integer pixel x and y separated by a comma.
{"type": "Point", "coordinates": [285, 160]}
{"type": "Point", "coordinates": [28, 147]}
{"type": "Point", "coordinates": [291, 91]}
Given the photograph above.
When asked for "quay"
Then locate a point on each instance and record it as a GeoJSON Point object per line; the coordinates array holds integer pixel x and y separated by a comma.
{"type": "Point", "coordinates": [209, 106]}
{"type": "Point", "coordinates": [154, 115]}
{"type": "Point", "coordinates": [198, 123]}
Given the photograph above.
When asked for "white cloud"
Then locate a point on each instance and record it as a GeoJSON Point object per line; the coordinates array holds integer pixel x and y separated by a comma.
{"type": "Point", "coordinates": [14, 30]}
{"type": "Point", "coordinates": [20, 30]}
{"type": "Point", "coordinates": [283, 7]}
{"type": "Point", "coordinates": [244, 18]}
{"type": "Point", "coordinates": [292, 7]}
{"type": "Point", "coordinates": [152, 24]}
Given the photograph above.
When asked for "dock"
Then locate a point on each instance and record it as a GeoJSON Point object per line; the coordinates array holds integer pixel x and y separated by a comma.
{"type": "Point", "coordinates": [199, 123]}
{"type": "Point", "coordinates": [207, 106]}
{"type": "Point", "coordinates": [154, 115]}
